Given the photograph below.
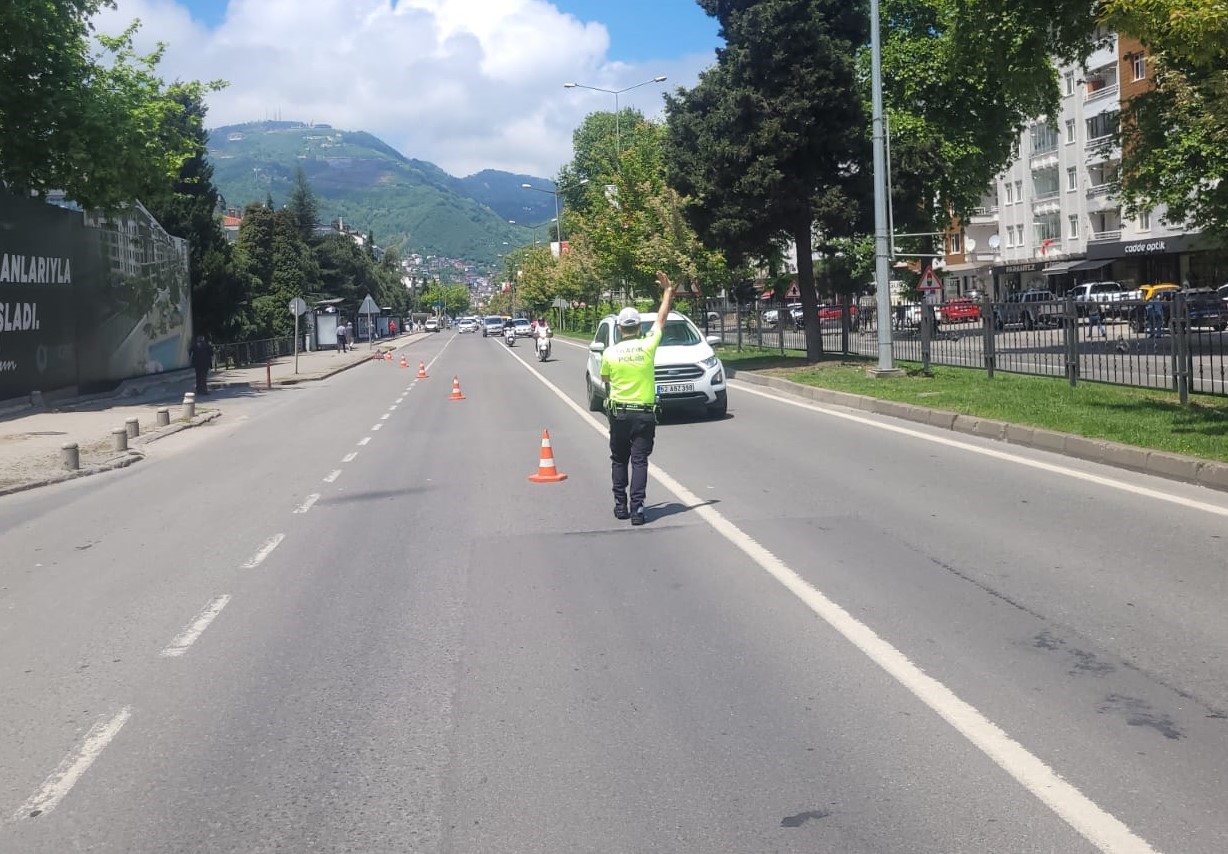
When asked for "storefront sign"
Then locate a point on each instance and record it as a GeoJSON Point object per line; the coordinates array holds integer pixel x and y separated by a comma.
{"type": "Point", "coordinates": [1171, 245]}
{"type": "Point", "coordinates": [1017, 268]}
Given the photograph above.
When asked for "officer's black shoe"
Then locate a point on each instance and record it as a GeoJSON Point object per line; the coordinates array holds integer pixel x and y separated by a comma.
{"type": "Point", "coordinates": [620, 511]}
{"type": "Point", "coordinates": [637, 516]}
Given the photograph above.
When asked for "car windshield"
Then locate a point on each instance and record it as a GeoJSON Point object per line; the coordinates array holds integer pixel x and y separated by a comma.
{"type": "Point", "coordinates": [520, 321]}
{"type": "Point", "coordinates": [677, 333]}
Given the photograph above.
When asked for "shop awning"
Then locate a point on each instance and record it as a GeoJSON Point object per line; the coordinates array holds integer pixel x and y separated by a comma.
{"type": "Point", "coordinates": [1060, 268]}
{"type": "Point", "coordinates": [961, 268]}
{"type": "Point", "coordinates": [1089, 265]}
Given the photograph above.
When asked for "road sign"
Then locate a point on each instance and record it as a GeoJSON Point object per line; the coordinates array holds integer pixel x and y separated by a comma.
{"type": "Point", "coordinates": [297, 306]}
{"type": "Point", "coordinates": [929, 282]}
{"type": "Point", "coordinates": [368, 306]}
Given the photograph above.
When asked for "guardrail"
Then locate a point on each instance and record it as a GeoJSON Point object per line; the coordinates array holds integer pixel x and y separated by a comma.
{"type": "Point", "coordinates": [242, 353]}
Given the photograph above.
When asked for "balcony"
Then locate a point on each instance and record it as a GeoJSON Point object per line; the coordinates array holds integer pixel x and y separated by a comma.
{"type": "Point", "coordinates": [1099, 190]}
{"type": "Point", "coordinates": [983, 216]}
{"type": "Point", "coordinates": [1044, 160]}
{"type": "Point", "coordinates": [1101, 93]}
{"type": "Point", "coordinates": [1105, 53]}
{"type": "Point", "coordinates": [1105, 236]}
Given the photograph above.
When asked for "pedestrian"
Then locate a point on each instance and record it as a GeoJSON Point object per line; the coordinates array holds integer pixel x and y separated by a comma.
{"type": "Point", "coordinates": [1095, 320]}
{"type": "Point", "coordinates": [201, 358]}
{"type": "Point", "coordinates": [1155, 318]}
{"type": "Point", "coordinates": [342, 334]}
{"type": "Point", "coordinates": [627, 371]}
{"type": "Point", "coordinates": [392, 328]}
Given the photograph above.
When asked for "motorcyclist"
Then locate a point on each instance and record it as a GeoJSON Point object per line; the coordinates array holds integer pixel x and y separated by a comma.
{"type": "Point", "coordinates": [542, 332]}
{"type": "Point", "coordinates": [509, 330]}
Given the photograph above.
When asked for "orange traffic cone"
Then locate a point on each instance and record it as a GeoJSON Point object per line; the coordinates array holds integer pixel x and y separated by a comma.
{"type": "Point", "coordinates": [404, 362]}
{"type": "Point", "coordinates": [456, 392]}
{"type": "Point", "coordinates": [388, 356]}
{"type": "Point", "coordinates": [422, 371]}
{"type": "Point", "coordinates": [546, 472]}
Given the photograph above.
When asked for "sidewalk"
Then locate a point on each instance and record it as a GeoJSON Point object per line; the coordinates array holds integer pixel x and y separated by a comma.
{"type": "Point", "coordinates": [30, 437]}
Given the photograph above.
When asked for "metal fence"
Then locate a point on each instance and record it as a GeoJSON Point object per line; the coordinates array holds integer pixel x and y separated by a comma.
{"type": "Point", "coordinates": [1178, 345]}
{"type": "Point", "coordinates": [252, 352]}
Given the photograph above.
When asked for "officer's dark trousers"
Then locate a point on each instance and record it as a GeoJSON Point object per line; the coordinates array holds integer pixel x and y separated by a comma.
{"type": "Point", "coordinates": [202, 380]}
{"type": "Point", "coordinates": [631, 438]}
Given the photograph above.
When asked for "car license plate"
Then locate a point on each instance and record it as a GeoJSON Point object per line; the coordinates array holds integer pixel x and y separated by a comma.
{"type": "Point", "coordinates": [675, 388]}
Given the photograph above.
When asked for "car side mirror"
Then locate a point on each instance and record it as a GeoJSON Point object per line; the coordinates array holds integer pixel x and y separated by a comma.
{"type": "Point", "coordinates": [714, 340]}
{"type": "Point", "coordinates": [596, 347]}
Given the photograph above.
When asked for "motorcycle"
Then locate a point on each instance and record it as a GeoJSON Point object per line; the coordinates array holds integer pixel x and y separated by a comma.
{"type": "Point", "coordinates": [509, 336]}
{"type": "Point", "coordinates": [543, 347]}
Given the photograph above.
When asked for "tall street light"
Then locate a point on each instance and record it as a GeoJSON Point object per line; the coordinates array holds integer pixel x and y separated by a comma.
{"type": "Point", "coordinates": [618, 144]}
{"type": "Point", "coordinates": [555, 192]}
{"type": "Point", "coordinates": [886, 363]}
{"type": "Point", "coordinates": [534, 227]}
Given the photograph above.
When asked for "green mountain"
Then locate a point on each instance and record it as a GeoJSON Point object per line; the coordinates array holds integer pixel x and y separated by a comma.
{"type": "Point", "coordinates": [409, 204]}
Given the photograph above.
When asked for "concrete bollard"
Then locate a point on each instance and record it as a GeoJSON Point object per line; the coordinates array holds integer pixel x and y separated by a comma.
{"type": "Point", "coordinates": [189, 406]}
{"type": "Point", "coordinates": [36, 399]}
{"type": "Point", "coordinates": [164, 416]}
{"type": "Point", "coordinates": [133, 426]}
{"type": "Point", "coordinates": [119, 439]}
{"type": "Point", "coordinates": [70, 455]}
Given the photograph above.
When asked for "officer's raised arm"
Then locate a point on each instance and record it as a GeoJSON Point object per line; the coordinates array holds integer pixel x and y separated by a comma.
{"type": "Point", "coordinates": [667, 297]}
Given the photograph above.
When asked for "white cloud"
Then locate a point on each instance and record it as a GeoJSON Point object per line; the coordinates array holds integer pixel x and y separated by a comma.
{"type": "Point", "coordinates": [465, 84]}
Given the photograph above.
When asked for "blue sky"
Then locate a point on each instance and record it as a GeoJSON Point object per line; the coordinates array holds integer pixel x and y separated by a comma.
{"type": "Point", "coordinates": [640, 30]}
{"type": "Point", "coordinates": [465, 84]}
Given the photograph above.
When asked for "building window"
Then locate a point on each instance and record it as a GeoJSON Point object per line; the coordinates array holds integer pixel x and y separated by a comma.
{"type": "Point", "coordinates": [1010, 193]}
{"type": "Point", "coordinates": [1068, 80]}
{"type": "Point", "coordinates": [1140, 67]}
{"type": "Point", "coordinates": [1072, 230]}
{"type": "Point", "coordinates": [1019, 192]}
{"type": "Point", "coordinates": [1070, 131]}
{"type": "Point", "coordinates": [1010, 236]}
{"type": "Point", "coordinates": [1102, 125]}
{"type": "Point", "coordinates": [956, 244]}
{"type": "Point", "coordinates": [1044, 138]}
{"type": "Point", "coordinates": [1144, 221]}
{"type": "Point", "coordinates": [1047, 228]}
{"type": "Point", "coordinates": [1072, 179]}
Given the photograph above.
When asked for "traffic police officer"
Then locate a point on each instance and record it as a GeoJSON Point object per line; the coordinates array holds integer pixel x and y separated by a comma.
{"type": "Point", "coordinates": [631, 403]}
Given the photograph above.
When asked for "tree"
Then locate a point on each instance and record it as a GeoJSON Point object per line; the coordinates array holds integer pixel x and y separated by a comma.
{"type": "Point", "coordinates": [188, 208]}
{"type": "Point", "coordinates": [61, 107]}
{"type": "Point", "coordinates": [773, 135]}
{"type": "Point", "coordinates": [1174, 138]}
{"type": "Point", "coordinates": [303, 206]}
{"type": "Point", "coordinates": [961, 79]}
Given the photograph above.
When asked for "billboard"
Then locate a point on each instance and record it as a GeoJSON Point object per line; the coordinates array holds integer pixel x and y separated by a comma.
{"type": "Point", "coordinates": [88, 301]}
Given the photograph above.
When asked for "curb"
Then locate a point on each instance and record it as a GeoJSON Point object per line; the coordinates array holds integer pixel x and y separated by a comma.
{"type": "Point", "coordinates": [1207, 473]}
{"type": "Point", "coordinates": [118, 462]}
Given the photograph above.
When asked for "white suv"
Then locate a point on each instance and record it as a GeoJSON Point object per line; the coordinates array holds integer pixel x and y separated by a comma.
{"type": "Point", "coordinates": [689, 373]}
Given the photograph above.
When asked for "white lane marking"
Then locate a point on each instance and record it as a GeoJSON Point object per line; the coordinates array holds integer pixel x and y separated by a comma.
{"type": "Point", "coordinates": [1005, 456]}
{"type": "Point", "coordinates": [385, 416]}
{"type": "Point", "coordinates": [265, 550]}
{"type": "Point", "coordinates": [1099, 827]}
{"type": "Point", "coordinates": [400, 400]}
{"type": "Point", "coordinates": [332, 476]}
{"type": "Point", "coordinates": [375, 427]}
{"type": "Point", "coordinates": [196, 628]}
{"type": "Point", "coordinates": [350, 457]}
{"type": "Point", "coordinates": [73, 766]}
{"type": "Point", "coordinates": [307, 505]}
{"type": "Point", "coordinates": [364, 441]}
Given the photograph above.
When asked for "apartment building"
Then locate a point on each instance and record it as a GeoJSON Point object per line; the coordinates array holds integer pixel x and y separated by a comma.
{"type": "Point", "coordinates": [1051, 219]}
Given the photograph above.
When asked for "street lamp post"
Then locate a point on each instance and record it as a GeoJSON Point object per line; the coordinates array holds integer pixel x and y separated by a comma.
{"type": "Point", "coordinates": [618, 146]}
{"type": "Point", "coordinates": [534, 227]}
{"type": "Point", "coordinates": [555, 192]}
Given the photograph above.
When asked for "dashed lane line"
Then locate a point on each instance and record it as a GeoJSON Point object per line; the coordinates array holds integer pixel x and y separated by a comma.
{"type": "Point", "coordinates": [264, 551]}
{"type": "Point", "coordinates": [307, 504]}
{"type": "Point", "coordinates": [364, 441]}
{"type": "Point", "coordinates": [184, 640]}
{"type": "Point", "coordinates": [332, 476]}
{"type": "Point", "coordinates": [350, 457]}
{"type": "Point", "coordinates": [375, 427]}
{"type": "Point", "coordinates": [73, 766]}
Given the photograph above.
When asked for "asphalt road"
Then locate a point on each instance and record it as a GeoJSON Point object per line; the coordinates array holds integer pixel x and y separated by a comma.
{"type": "Point", "coordinates": [348, 622]}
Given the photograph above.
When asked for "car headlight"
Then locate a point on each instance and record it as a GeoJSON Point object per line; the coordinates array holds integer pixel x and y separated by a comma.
{"type": "Point", "coordinates": [710, 362]}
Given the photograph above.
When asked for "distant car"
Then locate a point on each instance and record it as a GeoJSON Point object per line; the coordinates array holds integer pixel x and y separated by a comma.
{"type": "Point", "coordinates": [492, 324]}
{"type": "Point", "coordinates": [524, 327]}
{"type": "Point", "coordinates": [832, 315]}
{"type": "Point", "coordinates": [432, 324]}
{"type": "Point", "coordinates": [960, 310]}
{"type": "Point", "coordinates": [467, 324]}
{"type": "Point", "coordinates": [1105, 294]}
{"type": "Point", "coordinates": [1029, 309]}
